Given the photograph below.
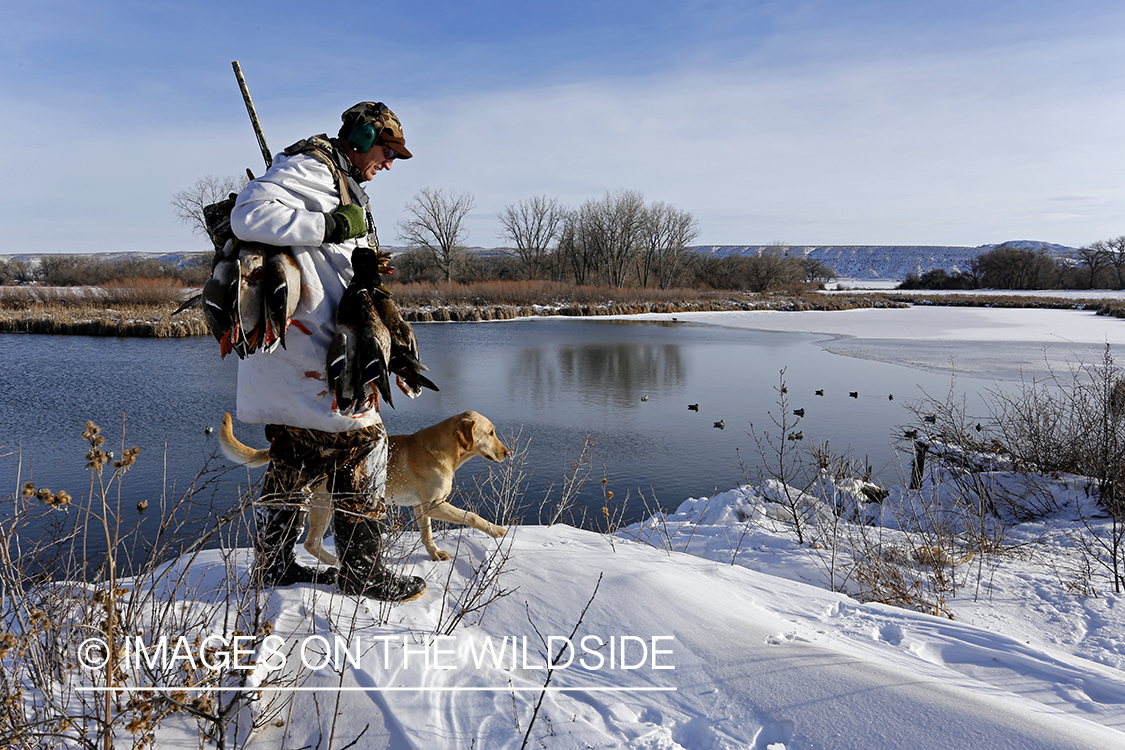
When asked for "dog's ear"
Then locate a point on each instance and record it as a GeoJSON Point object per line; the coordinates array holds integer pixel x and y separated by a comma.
{"type": "Point", "coordinates": [463, 434]}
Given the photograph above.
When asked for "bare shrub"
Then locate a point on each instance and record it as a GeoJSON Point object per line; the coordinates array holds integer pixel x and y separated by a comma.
{"type": "Point", "coordinates": [992, 471]}
{"type": "Point", "coordinates": [155, 292]}
{"type": "Point", "coordinates": [786, 464]}
{"type": "Point", "coordinates": [90, 603]}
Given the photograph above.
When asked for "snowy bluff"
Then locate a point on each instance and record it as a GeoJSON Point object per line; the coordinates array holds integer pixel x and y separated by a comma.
{"type": "Point", "coordinates": [891, 262]}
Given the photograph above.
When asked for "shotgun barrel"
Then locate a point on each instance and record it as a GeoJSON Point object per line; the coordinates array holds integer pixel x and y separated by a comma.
{"type": "Point", "coordinates": [253, 114]}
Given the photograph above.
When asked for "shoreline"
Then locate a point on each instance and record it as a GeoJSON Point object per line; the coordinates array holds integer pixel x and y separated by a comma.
{"type": "Point", "coordinates": [83, 318]}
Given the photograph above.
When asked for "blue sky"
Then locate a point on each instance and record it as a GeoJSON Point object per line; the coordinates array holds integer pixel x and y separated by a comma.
{"type": "Point", "coordinates": [803, 122]}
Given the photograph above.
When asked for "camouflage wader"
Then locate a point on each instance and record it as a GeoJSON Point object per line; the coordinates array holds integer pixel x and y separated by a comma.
{"type": "Point", "coordinates": [354, 465]}
{"type": "Point", "coordinates": [350, 468]}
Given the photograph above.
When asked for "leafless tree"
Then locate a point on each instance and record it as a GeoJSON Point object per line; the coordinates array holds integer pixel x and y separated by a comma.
{"type": "Point", "coordinates": [665, 234]}
{"type": "Point", "coordinates": [574, 252]}
{"type": "Point", "coordinates": [189, 204]}
{"type": "Point", "coordinates": [1008, 267]}
{"type": "Point", "coordinates": [1117, 259]}
{"type": "Point", "coordinates": [531, 225]}
{"type": "Point", "coordinates": [1097, 257]}
{"type": "Point", "coordinates": [436, 224]}
{"type": "Point", "coordinates": [617, 219]}
{"type": "Point", "coordinates": [771, 270]}
{"type": "Point", "coordinates": [816, 270]}
{"type": "Point", "coordinates": [603, 237]}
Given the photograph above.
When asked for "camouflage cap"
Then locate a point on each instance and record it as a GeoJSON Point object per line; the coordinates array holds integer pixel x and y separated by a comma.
{"type": "Point", "coordinates": [387, 127]}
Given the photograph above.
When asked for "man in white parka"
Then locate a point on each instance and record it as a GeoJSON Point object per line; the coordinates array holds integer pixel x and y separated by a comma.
{"type": "Point", "coordinates": [311, 202]}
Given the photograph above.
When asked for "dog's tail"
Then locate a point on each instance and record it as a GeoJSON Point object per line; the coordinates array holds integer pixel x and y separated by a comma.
{"type": "Point", "coordinates": [236, 451]}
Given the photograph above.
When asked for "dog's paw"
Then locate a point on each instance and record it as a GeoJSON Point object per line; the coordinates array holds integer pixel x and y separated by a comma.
{"type": "Point", "coordinates": [496, 531]}
{"type": "Point", "coordinates": [438, 555]}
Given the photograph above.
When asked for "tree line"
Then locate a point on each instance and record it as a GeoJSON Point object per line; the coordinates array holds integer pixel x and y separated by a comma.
{"type": "Point", "coordinates": [88, 270]}
{"type": "Point", "coordinates": [615, 240]}
{"type": "Point", "coordinates": [1100, 265]}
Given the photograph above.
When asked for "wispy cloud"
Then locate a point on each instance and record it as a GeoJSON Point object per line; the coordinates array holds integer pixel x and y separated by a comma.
{"type": "Point", "coordinates": [809, 122]}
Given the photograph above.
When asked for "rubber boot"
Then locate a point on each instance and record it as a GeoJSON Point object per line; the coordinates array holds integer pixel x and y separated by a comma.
{"type": "Point", "coordinates": [275, 560]}
{"type": "Point", "coordinates": [361, 568]}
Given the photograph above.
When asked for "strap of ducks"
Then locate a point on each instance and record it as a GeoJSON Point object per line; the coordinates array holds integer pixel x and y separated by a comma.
{"type": "Point", "coordinates": [250, 298]}
{"type": "Point", "coordinates": [372, 342]}
{"type": "Point", "coordinates": [254, 289]}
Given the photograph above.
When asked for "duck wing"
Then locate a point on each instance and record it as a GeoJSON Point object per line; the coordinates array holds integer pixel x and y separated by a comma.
{"type": "Point", "coordinates": [248, 305]}
{"type": "Point", "coordinates": [281, 291]}
{"type": "Point", "coordinates": [373, 354]}
{"type": "Point", "coordinates": [340, 366]}
{"type": "Point", "coordinates": [404, 361]}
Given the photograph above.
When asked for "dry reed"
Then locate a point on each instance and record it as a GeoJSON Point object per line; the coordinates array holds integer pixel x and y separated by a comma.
{"type": "Point", "coordinates": [140, 307]}
{"type": "Point", "coordinates": [143, 307]}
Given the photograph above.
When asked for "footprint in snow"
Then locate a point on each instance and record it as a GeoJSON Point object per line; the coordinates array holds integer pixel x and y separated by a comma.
{"type": "Point", "coordinates": [773, 736]}
{"type": "Point", "coordinates": [784, 638]}
{"type": "Point", "coordinates": [695, 734]}
{"type": "Point", "coordinates": [890, 633]}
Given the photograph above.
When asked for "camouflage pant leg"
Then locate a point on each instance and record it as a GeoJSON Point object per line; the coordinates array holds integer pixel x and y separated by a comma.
{"type": "Point", "coordinates": [353, 465]}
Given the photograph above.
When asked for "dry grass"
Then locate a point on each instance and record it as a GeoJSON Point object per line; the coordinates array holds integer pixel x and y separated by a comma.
{"type": "Point", "coordinates": [151, 292]}
{"type": "Point", "coordinates": [143, 307]}
{"type": "Point", "coordinates": [136, 308]}
{"type": "Point", "coordinates": [511, 299]}
{"type": "Point", "coordinates": [541, 293]}
{"type": "Point", "coordinates": [969, 299]}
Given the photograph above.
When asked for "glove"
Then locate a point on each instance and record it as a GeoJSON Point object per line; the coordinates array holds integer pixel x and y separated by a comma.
{"type": "Point", "coordinates": [345, 223]}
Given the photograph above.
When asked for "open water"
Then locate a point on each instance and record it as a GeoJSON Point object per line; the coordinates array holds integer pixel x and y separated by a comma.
{"type": "Point", "coordinates": [623, 385]}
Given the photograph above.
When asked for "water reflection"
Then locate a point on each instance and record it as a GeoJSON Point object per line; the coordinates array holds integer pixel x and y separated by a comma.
{"type": "Point", "coordinates": [557, 380]}
{"type": "Point", "coordinates": [620, 373]}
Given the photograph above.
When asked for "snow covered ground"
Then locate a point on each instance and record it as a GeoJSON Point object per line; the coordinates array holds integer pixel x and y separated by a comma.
{"type": "Point", "coordinates": [705, 654]}
{"type": "Point", "coordinates": [712, 627]}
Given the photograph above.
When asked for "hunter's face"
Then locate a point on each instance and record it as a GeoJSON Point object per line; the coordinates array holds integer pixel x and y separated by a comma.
{"type": "Point", "coordinates": [375, 159]}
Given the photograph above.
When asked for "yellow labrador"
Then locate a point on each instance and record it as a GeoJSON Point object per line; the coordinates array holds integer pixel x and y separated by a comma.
{"type": "Point", "coordinates": [419, 474]}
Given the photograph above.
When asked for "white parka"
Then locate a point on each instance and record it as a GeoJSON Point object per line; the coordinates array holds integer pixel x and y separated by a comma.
{"type": "Point", "coordinates": [286, 207]}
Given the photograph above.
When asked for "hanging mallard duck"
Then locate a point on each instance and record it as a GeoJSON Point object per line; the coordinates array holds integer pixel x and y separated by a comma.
{"type": "Point", "coordinates": [281, 291]}
{"type": "Point", "coordinates": [250, 298]}
{"type": "Point", "coordinates": [372, 341]}
{"type": "Point", "coordinates": [217, 298]}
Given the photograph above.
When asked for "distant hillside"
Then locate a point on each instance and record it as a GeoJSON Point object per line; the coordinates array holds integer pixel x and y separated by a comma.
{"type": "Point", "coordinates": [884, 261]}
{"type": "Point", "coordinates": [892, 262]}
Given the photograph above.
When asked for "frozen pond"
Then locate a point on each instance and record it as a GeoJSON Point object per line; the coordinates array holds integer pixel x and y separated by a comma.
{"type": "Point", "coordinates": [555, 381]}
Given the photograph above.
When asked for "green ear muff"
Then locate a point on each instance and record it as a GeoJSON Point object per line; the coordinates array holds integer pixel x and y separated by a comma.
{"type": "Point", "coordinates": [363, 137]}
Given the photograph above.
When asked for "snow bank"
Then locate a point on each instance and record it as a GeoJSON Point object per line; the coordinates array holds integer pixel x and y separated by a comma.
{"type": "Point", "coordinates": [669, 650]}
